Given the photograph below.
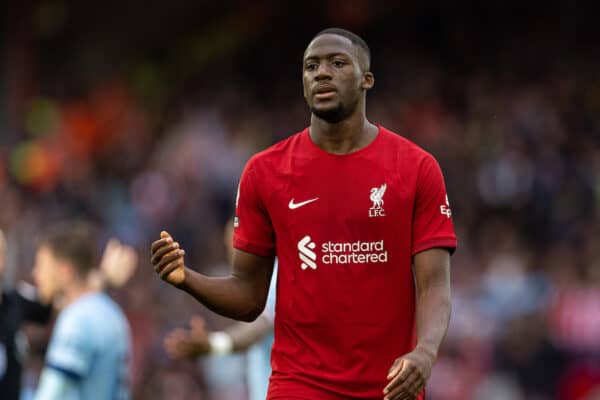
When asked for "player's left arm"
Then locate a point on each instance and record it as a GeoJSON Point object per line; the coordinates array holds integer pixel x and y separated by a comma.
{"type": "Point", "coordinates": [409, 374]}
{"type": "Point", "coordinates": [56, 385]}
{"type": "Point", "coordinates": [190, 343]}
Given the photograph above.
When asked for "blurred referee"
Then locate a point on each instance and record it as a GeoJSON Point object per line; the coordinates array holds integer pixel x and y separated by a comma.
{"type": "Point", "coordinates": [16, 307]}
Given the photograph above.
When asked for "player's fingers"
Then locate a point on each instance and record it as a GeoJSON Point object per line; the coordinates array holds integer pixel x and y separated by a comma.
{"type": "Point", "coordinates": [178, 336]}
{"type": "Point", "coordinates": [167, 267]}
{"type": "Point", "coordinates": [161, 251]}
{"type": "Point", "coordinates": [167, 258]}
{"type": "Point", "coordinates": [170, 268]}
{"type": "Point", "coordinates": [395, 369]}
{"type": "Point", "coordinates": [183, 344]}
{"type": "Point", "coordinates": [174, 350]}
{"type": "Point", "coordinates": [412, 384]}
{"type": "Point", "coordinates": [174, 337]}
{"type": "Point", "coordinates": [401, 391]}
{"type": "Point", "coordinates": [129, 262]}
{"type": "Point", "coordinates": [399, 396]}
{"type": "Point", "coordinates": [112, 245]}
{"type": "Point", "coordinates": [197, 324]}
{"type": "Point", "coordinates": [403, 396]}
{"type": "Point", "coordinates": [171, 342]}
{"type": "Point", "coordinates": [159, 243]}
{"type": "Point", "coordinates": [177, 332]}
{"type": "Point", "coordinates": [403, 375]}
{"type": "Point", "coordinates": [110, 252]}
{"type": "Point", "coordinates": [398, 392]}
{"type": "Point", "coordinates": [130, 255]}
{"type": "Point", "coordinates": [417, 385]}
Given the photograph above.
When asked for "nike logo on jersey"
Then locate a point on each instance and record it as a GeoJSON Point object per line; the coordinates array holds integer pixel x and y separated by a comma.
{"type": "Point", "coordinates": [293, 205]}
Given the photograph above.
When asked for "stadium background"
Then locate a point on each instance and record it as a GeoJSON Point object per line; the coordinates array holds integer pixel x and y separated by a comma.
{"type": "Point", "coordinates": [141, 115]}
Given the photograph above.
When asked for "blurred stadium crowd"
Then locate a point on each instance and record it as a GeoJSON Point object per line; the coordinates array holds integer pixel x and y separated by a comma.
{"type": "Point", "coordinates": [142, 119]}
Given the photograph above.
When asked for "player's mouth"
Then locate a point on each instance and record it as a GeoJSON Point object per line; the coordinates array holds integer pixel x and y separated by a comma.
{"type": "Point", "coordinates": [323, 92]}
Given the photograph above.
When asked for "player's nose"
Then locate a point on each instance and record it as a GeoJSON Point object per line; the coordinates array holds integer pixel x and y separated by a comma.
{"type": "Point", "coordinates": [323, 72]}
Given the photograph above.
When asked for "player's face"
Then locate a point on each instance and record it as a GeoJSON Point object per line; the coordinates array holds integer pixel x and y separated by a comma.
{"type": "Point", "coordinates": [46, 274]}
{"type": "Point", "coordinates": [334, 77]}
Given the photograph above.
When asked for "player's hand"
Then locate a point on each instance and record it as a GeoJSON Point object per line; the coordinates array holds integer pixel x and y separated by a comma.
{"type": "Point", "coordinates": [186, 344]}
{"type": "Point", "coordinates": [118, 264]}
{"type": "Point", "coordinates": [167, 259]}
{"type": "Point", "coordinates": [408, 375]}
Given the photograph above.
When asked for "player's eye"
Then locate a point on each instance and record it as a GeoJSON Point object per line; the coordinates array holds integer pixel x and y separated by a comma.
{"type": "Point", "coordinates": [311, 66]}
{"type": "Point", "coordinates": [338, 63]}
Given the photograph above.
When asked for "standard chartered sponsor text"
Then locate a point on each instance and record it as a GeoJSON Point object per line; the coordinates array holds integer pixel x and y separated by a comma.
{"type": "Point", "coordinates": [358, 252]}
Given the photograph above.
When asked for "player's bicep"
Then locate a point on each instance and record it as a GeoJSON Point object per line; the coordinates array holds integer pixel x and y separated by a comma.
{"type": "Point", "coordinates": [432, 222]}
{"type": "Point", "coordinates": [253, 229]}
{"type": "Point", "coordinates": [432, 269]}
{"type": "Point", "coordinates": [254, 271]}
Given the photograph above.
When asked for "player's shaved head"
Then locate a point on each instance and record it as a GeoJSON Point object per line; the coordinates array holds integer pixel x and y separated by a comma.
{"type": "Point", "coordinates": [335, 74]}
{"type": "Point", "coordinates": [357, 41]}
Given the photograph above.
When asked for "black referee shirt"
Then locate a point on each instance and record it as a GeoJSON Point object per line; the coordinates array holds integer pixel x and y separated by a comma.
{"type": "Point", "coordinates": [16, 307]}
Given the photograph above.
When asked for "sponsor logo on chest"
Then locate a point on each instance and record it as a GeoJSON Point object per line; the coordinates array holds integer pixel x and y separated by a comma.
{"type": "Point", "coordinates": [357, 252]}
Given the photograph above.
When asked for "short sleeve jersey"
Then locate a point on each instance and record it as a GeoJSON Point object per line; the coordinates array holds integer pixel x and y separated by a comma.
{"type": "Point", "coordinates": [344, 229]}
{"type": "Point", "coordinates": [91, 345]}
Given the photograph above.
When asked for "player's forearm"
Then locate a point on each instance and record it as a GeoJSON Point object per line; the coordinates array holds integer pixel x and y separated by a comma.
{"type": "Point", "coordinates": [229, 296]}
{"type": "Point", "coordinates": [244, 335]}
{"type": "Point", "coordinates": [433, 316]}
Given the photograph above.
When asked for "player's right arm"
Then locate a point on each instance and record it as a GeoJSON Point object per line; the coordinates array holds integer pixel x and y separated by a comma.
{"type": "Point", "coordinates": [242, 295]}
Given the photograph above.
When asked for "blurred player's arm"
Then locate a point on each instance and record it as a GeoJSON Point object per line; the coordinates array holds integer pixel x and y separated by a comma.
{"type": "Point", "coordinates": [244, 335]}
{"type": "Point", "coordinates": [242, 295]}
{"type": "Point", "coordinates": [119, 262]}
{"type": "Point", "coordinates": [183, 343]}
{"type": "Point", "coordinates": [410, 373]}
{"type": "Point", "coordinates": [56, 385]}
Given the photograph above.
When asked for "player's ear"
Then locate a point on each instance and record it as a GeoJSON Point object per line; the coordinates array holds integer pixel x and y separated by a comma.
{"type": "Point", "coordinates": [368, 81]}
{"type": "Point", "coordinates": [66, 270]}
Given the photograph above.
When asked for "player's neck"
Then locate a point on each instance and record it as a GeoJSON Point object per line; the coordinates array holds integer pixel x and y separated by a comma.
{"type": "Point", "coordinates": [346, 136]}
{"type": "Point", "coordinates": [74, 292]}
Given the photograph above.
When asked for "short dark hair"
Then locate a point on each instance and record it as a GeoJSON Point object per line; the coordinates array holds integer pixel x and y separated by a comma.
{"type": "Point", "coordinates": [73, 241]}
{"type": "Point", "coordinates": [353, 37]}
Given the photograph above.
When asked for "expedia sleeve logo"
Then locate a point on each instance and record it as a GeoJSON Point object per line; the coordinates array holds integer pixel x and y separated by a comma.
{"type": "Point", "coordinates": [358, 252]}
{"type": "Point", "coordinates": [445, 208]}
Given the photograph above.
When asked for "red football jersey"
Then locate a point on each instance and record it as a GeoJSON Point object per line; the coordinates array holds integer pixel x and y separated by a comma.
{"type": "Point", "coordinates": [344, 229]}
